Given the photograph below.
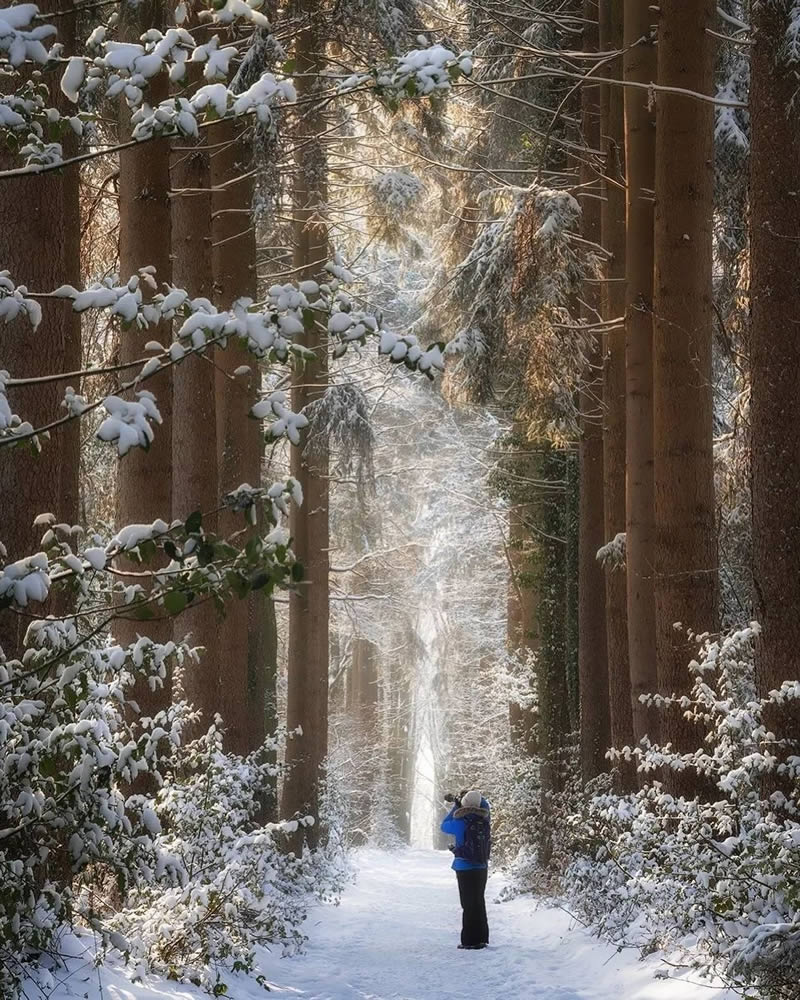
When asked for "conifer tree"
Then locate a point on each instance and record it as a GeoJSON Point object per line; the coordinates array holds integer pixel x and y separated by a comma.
{"type": "Point", "coordinates": [239, 441]}
{"type": "Point", "coordinates": [686, 560]}
{"type": "Point", "coordinates": [640, 67]}
{"type": "Point", "coordinates": [38, 213]}
{"type": "Point", "coordinates": [614, 430]}
{"type": "Point", "coordinates": [307, 698]}
{"type": "Point", "coordinates": [775, 348]}
{"type": "Point", "coordinates": [145, 477]}
{"type": "Point", "coordinates": [195, 485]}
{"type": "Point", "coordinates": [593, 650]}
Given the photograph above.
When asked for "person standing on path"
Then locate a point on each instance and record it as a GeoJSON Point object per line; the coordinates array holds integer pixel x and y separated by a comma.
{"type": "Point", "coordinates": [469, 822]}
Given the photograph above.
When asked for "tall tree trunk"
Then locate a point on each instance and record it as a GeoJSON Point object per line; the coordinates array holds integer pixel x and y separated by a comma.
{"type": "Point", "coordinates": [401, 740]}
{"type": "Point", "coordinates": [40, 247]}
{"type": "Point", "coordinates": [775, 356]}
{"type": "Point", "coordinates": [571, 532]}
{"type": "Point", "coordinates": [613, 239]}
{"type": "Point", "coordinates": [268, 666]}
{"type": "Point", "coordinates": [551, 668]}
{"type": "Point", "coordinates": [593, 652]}
{"type": "Point", "coordinates": [145, 477]}
{"type": "Point", "coordinates": [364, 717]}
{"type": "Point", "coordinates": [307, 696]}
{"type": "Point", "coordinates": [71, 441]}
{"type": "Point", "coordinates": [640, 66]}
{"type": "Point", "coordinates": [239, 439]}
{"type": "Point", "coordinates": [522, 632]}
{"type": "Point", "coordinates": [686, 557]}
{"type": "Point", "coordinates": [195, 483]}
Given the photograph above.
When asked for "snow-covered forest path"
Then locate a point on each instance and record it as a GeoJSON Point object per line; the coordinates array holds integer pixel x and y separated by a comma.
{"type": "Point", "coordinates": [394, 937]}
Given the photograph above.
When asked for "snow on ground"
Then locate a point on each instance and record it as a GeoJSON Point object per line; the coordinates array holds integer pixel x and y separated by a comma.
{"type": "Point", "coordinates": [394, 937]}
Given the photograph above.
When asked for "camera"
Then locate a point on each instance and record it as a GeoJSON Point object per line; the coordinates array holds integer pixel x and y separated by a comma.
{"type": "Point", "coordinates": [455, 799]}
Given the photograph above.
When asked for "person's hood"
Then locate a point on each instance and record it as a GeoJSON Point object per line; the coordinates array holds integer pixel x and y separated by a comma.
{"type": "Point", "coordinates": [464, 811]}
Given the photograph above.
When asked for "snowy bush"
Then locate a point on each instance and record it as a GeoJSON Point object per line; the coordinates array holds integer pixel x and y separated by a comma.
{"type": "Point", "coordinates": [73, 819]}
{"type": "Point", "coordinates": [232, 884]}
{"type": "Point", "coordinates": [69, 747]}
{"type": "Point", "coordinates": [185, 881]}
{"type": "Point", "coordinates": [714, 877]}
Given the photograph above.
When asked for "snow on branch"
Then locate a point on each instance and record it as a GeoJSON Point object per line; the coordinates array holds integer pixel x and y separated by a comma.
{"type": "Point", "coordinates": [612, 555]}
{"type": "Point", "coordinates": [20, 38]}
{"type": "Point", "coordinates": [14, 301]}
{"type": "Point", "coordinates": [271, 330]}
{"type": "Point", "coordinates": [111, 69]}
{"type": "Point", "coordinates": [12, 426]}
{"type": "Point", "coordinates": [421, 72]}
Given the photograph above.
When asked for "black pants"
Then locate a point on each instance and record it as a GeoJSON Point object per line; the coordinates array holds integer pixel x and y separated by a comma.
{"type": "Point", "coordinates": [471, 889]}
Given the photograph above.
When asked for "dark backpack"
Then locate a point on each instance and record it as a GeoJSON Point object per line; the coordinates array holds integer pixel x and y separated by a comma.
{"type": "Point", "coordinates": [477, 841]}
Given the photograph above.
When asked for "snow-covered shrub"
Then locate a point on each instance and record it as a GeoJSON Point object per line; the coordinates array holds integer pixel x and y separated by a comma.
{"type": "Point", "coordinates": [73, 747]}
{"type": "Point", "coordinates": [715, 877]}
{"type": "Point", "coordinates": [69, 747]}
{"type": "Point", "coordinates": [186, 881]}
{"type": "Point", "coordinates": [229, 885]}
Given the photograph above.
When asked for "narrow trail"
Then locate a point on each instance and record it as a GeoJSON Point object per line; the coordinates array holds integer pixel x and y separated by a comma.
{"type": "Point", "coordinates": [394, 937]}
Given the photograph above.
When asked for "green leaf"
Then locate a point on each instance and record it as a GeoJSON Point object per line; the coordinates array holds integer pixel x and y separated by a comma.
{"type": "Point", "coordinates": [147, 550]}
{"type": "Point", "coordinates": [297, 572]}
{"type": "Point", "coordinates": [289, 66]}
{"type": "Point", "coordinates": [143, 612]}
{"type": "Point", "coordinates": [259, 580]}
{"type": "Point", "coordinates": [238, 585]}
{"type": "Point", "coordinates": [194, 522]}
{"type": "Point", "coordinates": [175, 601]}
{"type": "Point", "coordinates": [47, 767]}
{"type": "Point", "coordinates": [205, 554]}
{"type": "Point", "coordinates": [171, 549]}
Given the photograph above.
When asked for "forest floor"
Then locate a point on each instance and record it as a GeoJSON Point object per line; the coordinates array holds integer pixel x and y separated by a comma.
{"type": "Point", "coordinates": [394, 937]}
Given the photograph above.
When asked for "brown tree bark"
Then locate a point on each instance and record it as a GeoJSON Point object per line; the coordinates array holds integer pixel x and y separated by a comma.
{"type": "Point", "coordinates": [70, 449]}
{"type": "Point", "coordinates": [551, 667]}
{"type": "Point", "coordinates": [145, 477]}
{"type": "Point", "coordinates": [307, 697]}
{"type": "Point", "coordinates": [775, 357]}
{"type": "Point", "coordinates": [686, 557]}
{"type": "Point", "coordinates": [364, 691]}
{"type": "Point", "coordinates": [39, 212]}
{"type": "Point", "coordinates": [614, 428]}
{"type": "Point", "coordinates": [400, 727]}
{"type": "Point", "coordinates": [522, 616]}
{"type": "Point", "coordinates": [239, 439]}
{"type": "Point", "coordinates": [195, 483]}
{"type": "Point", "coordinates": [592, 648]}
{"type": "Point", "coordinates": [640, 66]}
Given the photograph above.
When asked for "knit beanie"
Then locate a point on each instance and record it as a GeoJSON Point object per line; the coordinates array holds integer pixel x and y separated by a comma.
{"type": "Point", "coordinates": [472, 800]}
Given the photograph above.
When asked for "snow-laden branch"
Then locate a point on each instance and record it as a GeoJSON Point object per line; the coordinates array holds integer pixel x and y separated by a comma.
{"type": "Point", "coordinates": [421, 72]}
{"type": "Point", "coordinates": [273, 330]}
{"type": "Point", "coordinates": [193, 563]}
{"type": "Point", "coordinates": [111, 69]}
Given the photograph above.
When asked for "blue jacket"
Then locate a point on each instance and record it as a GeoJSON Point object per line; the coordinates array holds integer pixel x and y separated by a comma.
{"type": "Point", "coordinates": [456, 828]}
